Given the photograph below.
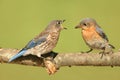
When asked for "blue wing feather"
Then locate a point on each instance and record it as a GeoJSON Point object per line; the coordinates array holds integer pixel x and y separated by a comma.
{"type": "Point", "coordinates": [31, 44]}
{"type": "Point", "coordinates": [17, 55]}
{"type": "Point", "coordinates": [101, 33]}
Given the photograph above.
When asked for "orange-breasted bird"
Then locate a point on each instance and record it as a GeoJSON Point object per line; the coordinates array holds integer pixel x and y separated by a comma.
{"type": "Point", "coordinates": [94, 36]}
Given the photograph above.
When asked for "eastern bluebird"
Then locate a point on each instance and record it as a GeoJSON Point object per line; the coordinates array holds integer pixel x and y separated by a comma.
{"type": "Point", "coordinates": [44, 42]}
{"type": "Point", "coordinates": [94, 36]}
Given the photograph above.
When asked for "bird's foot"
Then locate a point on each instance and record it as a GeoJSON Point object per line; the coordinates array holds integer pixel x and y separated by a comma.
{"type": "Point", "coordinates": [83, 52]}
{"type": "Point", "coordinates": [102, 54]}
{"type": "Point", "coordinates": [87, 51]}
{"type": "Point", "coordinates": [50, 66]}
{"type": "Point", "coordinates": [50, 54]}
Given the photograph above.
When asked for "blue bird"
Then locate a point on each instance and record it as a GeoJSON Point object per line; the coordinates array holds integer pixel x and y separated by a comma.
{"type": "Point", "coordinates": [44, 42]}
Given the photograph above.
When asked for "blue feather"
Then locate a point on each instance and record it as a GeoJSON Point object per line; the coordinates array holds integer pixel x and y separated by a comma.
{"type": "Point", "coordinates": [35, 42]}
{"type": "Point", "coordinates": [30, 45]}
{"type": "Point", "coordinates": [101, 33]}
{"type": "Point", "coordinates": [18, 55]}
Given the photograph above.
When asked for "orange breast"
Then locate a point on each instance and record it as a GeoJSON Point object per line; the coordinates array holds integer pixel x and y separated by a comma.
{"type": "Point", "coordinates": [90, 34]}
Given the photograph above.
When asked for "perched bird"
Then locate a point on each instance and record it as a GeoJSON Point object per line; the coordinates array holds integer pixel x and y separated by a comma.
{"type": "Point", "coordinates": [44, 42]}
{"type": "Point", "coordinates": [94, 36]}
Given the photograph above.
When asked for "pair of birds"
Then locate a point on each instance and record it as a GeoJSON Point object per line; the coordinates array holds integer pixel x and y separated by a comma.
{"type": "Point", "coordinates": [44, 43]}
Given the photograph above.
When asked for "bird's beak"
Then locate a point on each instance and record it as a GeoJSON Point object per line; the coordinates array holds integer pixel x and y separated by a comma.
{"type": "Point", "coordinates": [65, 28]}
{"type": "Point", "coordinates": [62, 22]}
{"type": "Point", "coordinates": [78, 26]}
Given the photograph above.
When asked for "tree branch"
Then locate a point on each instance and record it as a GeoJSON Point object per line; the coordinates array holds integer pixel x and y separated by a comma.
{"type": "Point", "coordinates": [63, 59]}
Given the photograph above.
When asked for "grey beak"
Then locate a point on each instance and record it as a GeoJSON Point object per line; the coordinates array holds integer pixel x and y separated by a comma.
{"type": "Point", "coordinates": [65, 28]}
{"type": "Point", "coordinates": [64, 21]}
{"type": "Point", "coordinates": [78, 26]}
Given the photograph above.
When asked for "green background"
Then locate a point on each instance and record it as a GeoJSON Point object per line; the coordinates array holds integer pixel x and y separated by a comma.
{"type": "Point", "coordinates": [21, 20]}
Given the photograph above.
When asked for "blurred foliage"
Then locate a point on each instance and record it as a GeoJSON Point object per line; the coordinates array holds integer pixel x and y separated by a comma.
{"type": "Point", "coordinates": [21, 20]}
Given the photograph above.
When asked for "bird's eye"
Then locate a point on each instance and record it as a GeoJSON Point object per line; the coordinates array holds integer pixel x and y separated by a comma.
{"type": "Point", "coordinates": [58, 22]}
{"type": "Point", "coordinates": [84, 24]}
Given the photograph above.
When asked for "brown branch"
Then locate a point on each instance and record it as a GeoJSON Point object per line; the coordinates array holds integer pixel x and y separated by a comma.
{"type": "Point", "coordinates": [63, 59]}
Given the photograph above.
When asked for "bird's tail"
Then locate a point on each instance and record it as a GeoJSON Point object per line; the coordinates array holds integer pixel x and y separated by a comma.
{"type": "Point", "coordinates": [112, 46]}
{"type": "Point", "coordinates": [20, 53]}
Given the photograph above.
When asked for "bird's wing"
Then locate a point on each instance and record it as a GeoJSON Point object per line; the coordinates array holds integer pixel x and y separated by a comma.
{"type": "Point", "coordinates": [20, 53]}
{"type": "Point", "coordinates": [101, 33]}
{"type": "Point", "coordinates": [36, 42]}
{"type": "Point", "coordinates": [31, 44]}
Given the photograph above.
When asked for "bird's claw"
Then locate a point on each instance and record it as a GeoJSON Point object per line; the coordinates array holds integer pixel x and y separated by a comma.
{"type": "Point", "coordinates": [82, 52]}
{"type": "Point", "coordinates": [87, 51]}
{"type": "Point", "coordinates": [102, 54]}
{"type": "Point", "coordinates": [105, 53]}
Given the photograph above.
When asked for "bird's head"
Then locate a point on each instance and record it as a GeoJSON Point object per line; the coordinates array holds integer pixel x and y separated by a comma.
{"type": "Point", "coordinates": [86, 23]}
{"type": "Point", "coordinates": [55, 25]}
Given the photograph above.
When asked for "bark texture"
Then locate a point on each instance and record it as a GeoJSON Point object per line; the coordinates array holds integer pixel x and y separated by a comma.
{"type": "Point", "coordinates": [63, 59]}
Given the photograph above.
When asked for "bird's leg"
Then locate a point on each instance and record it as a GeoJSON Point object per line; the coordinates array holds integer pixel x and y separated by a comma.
{"type": "Point", "coordinates": [53, 54]}
{"type": "Point", "coordinates": [102, 54]}
{"type": "Point", "coordinates": [50, 54]}
{"type": "Point", "coordinates": [88, 51]}
{"type": "Point", "coordinates": [106, 50]}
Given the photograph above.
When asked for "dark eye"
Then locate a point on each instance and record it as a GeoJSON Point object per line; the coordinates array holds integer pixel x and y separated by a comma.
{"type": "Point", "coordinates": [84, 24]}
{"type": "Point", "coordinates": [58, 22]}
